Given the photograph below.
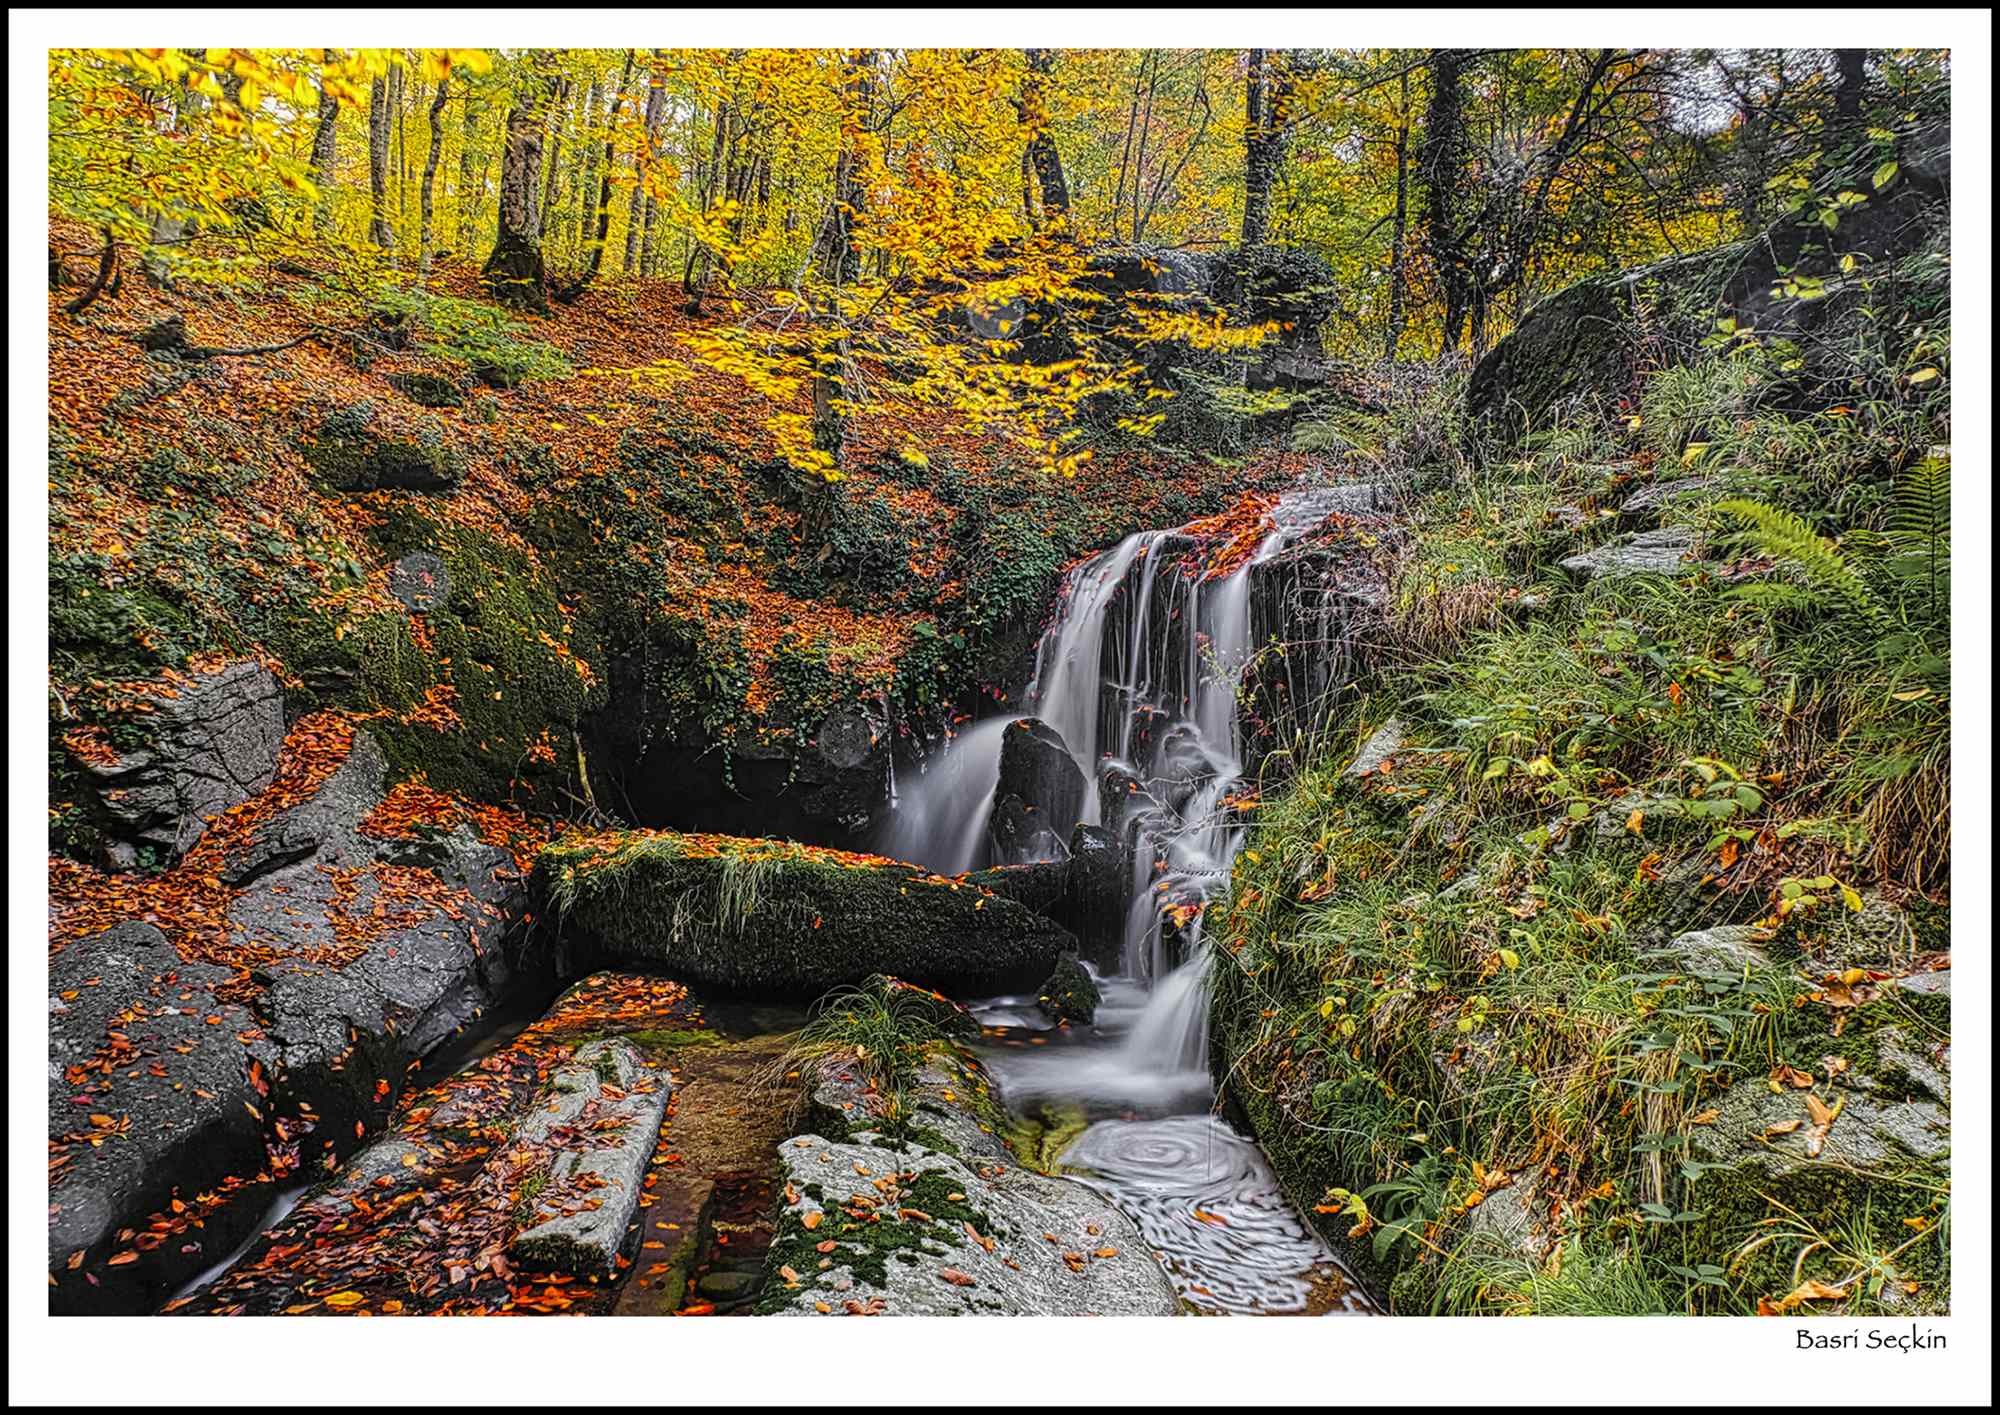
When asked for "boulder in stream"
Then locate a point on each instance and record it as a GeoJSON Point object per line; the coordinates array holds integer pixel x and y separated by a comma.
{"type": "Point", "coordinates": [602, 1112]}
{"type": "Point", "coordinates": [945, 1223]}
{"type": "Point", "coordinates": [787, 920]}
{"type": "Point", "coordinates": [1070, 994]}
{"type": "Point", "coordinates": [1039, 796]}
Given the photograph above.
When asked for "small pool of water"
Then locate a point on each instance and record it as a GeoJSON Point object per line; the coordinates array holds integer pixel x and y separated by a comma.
{"type": "Point", "coordinates": [1203, 1195]}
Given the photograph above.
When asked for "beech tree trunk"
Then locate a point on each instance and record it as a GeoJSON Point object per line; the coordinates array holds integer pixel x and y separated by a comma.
{"type": "Point", "coordinates": [399, 153]}
{"type": "Point", "coordinates": [545, 215]}
{"type": "Point", "coordinates": [465, 228]}
{"type": "Point", "coordinates": [430, 180]}
{"type": "Point", "coordinates": [1398, 281]}
{"type": "Point", "coordinates": [840, 259]}
{"type": "Point", "coordinates": [656, 103]}
{"type": "Point", "coordinates": [513, 271]}
{"type": "Point", "coordinates": [323, 149]}
{"type": "Point", "coordinates": [378, 165]}
{"type": "Point", "coordinates": [1267, 100]}
{"type": "Point", "coordinates": [1043, 154]}
{"type": "Point", "coordinates": [601, 235]}
{"type": "Point", "coordinates": [1441, 167]}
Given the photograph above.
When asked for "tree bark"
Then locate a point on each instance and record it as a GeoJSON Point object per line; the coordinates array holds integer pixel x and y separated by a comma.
{"type": "Point", "coordinates": [1398, 317]}
{"type": "Point", "coordinates": [1441, 165]}
{"type": "Point", "coordinates": [1257, 123]}
{"type": "Point", "coordinates": [840, 256]}
{"type": "Point", "coordinates": [323, 149]}
{"type": "Point", "coordinates": [642, 161]}
{"type": "Point", "coordinates": [399, 166]}
{"type": "Point", "coordinates": [1849, 92]}
{"type": "Point", "coordinates": [430, 180]}
{"type": "Point", "coordinates": [602, 234]}
{"type": "Point", "coordinates": [378, 165]}
{"type": "Point", "coordinates": [513, 272]}
{"type": "Point", "coordinates": [1043, 154]}
{"type": "Point", "coordinates": [465, 223]}
{"type": "Point", "coordinates": [545, 213]}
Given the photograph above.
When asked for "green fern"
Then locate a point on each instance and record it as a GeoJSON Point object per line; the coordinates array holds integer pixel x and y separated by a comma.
{"type": "Point", "coordinates": [1920, 515]}
{"type": "Point", "coordinates": [1785, 536]}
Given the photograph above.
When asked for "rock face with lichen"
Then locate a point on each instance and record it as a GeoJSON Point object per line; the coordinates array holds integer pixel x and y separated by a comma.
{"type": "Point", "coordinates": [946, 1223]}
{"type": "Point", "coordinates": [1587, 341]}
{"type": "Point", "coordinates": [207, 742]}
{"type": "Point", "coordinates": [602, 1114]}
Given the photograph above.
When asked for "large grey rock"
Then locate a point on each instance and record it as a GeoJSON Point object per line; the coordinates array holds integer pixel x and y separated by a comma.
{"type": "Point", "coordinates": [1057, 1247]}
{"type": "Point", "coordinates": [371, 955]}
{"type": "Point", "coordinates": [1868, 1133]}
{"type": "Point", "coordinates": [601, 1114]}
{"type": "Point", "coordinates": [819, 919]}
{"type": "Point", "coordinates": [1905, 1067]}
{"type": "Point", "coordinates": [150, 1099]}
{"type": "Point", "coordinates": [1648, 502]}
{"type": "Point", "coordinates": [1586, 343]}
{"type": "Point", "coordinates": [211, 745]}
{"type": "Point", "coordinates": [1511, 1219]}
{"type": "Point", "coordinates": [1665, 551]}
{"type": "Point", "coordinates": [1039, 796]}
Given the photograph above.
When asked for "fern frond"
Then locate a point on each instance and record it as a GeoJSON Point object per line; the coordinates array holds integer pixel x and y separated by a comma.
{"type": "Point", "coordinates": [1920, 514]}
{"type": "Point", "coordinates": [1785, 536]}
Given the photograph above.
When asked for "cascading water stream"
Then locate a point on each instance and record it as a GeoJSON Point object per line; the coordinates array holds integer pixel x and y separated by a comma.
{"type": "Point", "coordinates": [1139, 674]}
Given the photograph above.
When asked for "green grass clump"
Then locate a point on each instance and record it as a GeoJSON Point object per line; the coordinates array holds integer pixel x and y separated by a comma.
{"type": "Point", "coordinates": [1443, 986]}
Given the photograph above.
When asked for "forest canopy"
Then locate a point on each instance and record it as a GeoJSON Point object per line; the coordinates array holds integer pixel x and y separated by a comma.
{"type": "Point", "coordinates": [834, 205]}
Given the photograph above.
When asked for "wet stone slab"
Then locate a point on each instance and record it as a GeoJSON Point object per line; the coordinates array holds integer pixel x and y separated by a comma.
{"type": "Point", "coordinates": [602, 1114]}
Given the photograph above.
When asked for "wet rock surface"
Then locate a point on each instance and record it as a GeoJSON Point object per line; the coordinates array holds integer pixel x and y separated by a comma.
{"type": "Point", "coordinates": [423, 1220]}
{"type": "Point", "coordinates": [945, 1223]}
{"type": "Point", "coordinates": [1039, 796]}
{"type": "Point", "coordinates": [209, 741]}
{"type": "Point", "coordinates": [602, 1112]}
{"type": "Point", "coordinates": [320, 960]}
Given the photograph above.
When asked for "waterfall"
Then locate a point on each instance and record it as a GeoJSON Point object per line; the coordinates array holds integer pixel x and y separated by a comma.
{"type": "Point", "coordinates": [1139, 672]}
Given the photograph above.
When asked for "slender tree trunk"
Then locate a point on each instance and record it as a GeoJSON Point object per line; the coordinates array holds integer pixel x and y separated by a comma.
{"type": "Point", "coordinates": [602, 232]}
{"type": "Point", "coordinates": [1043, 154]}
{"type": "Point", "coordinates": [323, 149]}
{"type": "Point", "coordinates": [399, 154]}
{"type": "Point", "coordinates": [465, 224]}
{"type": "Point", "coordinates": [514, 270]}
{"type": "Point", "coordinates": [430, 180]}
{"type": "Point", "coordinates": [583, 175]}
{"type": "Point", "coordinates": [1849, 93]}
{"type": "Point", "coordinates": [1267, 128]}
{"type": "Point", "coordinates": [545, 218]}
{"type": "Point", "coordinates": [378, 165]}
{"type": "Point", "coordinates": [642, 161]}
{"type": "Point", "coordinates": [1256, 170]}
{"type": "Point", "coordinates": [1441, 172]}
{"type": "Point", "coordinates": [1398, 317]}
{"type": "Point", "coordinates": [840, 256]}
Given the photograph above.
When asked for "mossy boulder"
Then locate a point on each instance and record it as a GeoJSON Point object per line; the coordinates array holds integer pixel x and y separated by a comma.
{"type": "Point", "coordinates": [1587, 342]}
{"type": "Point", "coordinates": [784, 919]}
{"type": "Point", "coordinates": [509, 673]}
{"type": "Point", "coordinates": [1070, 994]}
{"type": "Point", "coordinates": [355, 449]}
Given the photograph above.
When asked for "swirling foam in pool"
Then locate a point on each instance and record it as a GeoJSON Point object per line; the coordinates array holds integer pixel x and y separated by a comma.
{"type": "Point", "coordinates": [1209, 1204]}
